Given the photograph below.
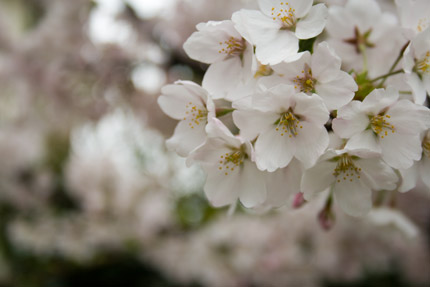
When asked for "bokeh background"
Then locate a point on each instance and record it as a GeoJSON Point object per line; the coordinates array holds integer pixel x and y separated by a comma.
{"type": "Point", "coordinates": [89, 195]}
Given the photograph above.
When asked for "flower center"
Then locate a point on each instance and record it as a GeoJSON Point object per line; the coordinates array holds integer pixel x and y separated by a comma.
{"type": "Point", "coordinates": [285, 15]}
{"type": "Point", "coordinates": [380, 125]}
{"type": "Point", "coordinates": [360, 41]}
{"type": "Point", "coordinates": [423, 66]}
{"type": "Point", "coordinates": [232, 47]}
{"type": "Point", "coordinates": [229, 161]}
{"type": "Point", "coordinates": [426, 146]}
{"type": "Point", "coordinates": [195, 115]}
{"type": "Point", "coordinates": [263, 70]}
{"type": "Point", "coordinates": [346, 169]}
{"type": "Point", "coordinates": [305, 83]}
{"type": "Point", "coordinates": [288, 123]}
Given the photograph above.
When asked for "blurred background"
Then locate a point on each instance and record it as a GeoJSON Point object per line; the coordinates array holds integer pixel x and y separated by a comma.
{"type": "Point", "coordinates": [89, 195]}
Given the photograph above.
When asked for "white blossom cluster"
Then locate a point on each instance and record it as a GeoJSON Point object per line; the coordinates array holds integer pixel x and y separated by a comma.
{"type": "Point", "coordinates": [347, 114]}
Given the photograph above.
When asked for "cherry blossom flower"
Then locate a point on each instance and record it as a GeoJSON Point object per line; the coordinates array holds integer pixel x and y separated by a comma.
{"type": "Point", "coordinates": [219, 44]}
{"type": "Point", "coordinates": [191, 104]}
{"type": "Point", "coordinates": [416, 64]}
{"type": "Point", "coordinates": [318, 73]}
{"type": "Point", "coordinates": [360, 33]}
{"type": "Point", "coordinates": [278, 26]}
{"type": "Point", "coordinates": [231, 173]}
{"type": "Point", "coordinates": [384, 124]}
{"type": "Point", "coordinates": [286, 125]}
{"type": "Point", "coordinates": [351, 176]}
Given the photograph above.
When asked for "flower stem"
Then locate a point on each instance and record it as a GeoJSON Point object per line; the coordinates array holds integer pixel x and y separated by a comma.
{"type": "Point", "coordinates": [399, 57]}
{"type": "Point", "coordinates": [362, 48]}
{"type": "Point", "coordinates": [386, 75]}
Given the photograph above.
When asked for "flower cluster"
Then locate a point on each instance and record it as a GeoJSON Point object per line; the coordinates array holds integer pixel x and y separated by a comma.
{"type": "Point", "coordinates": [302, 98]}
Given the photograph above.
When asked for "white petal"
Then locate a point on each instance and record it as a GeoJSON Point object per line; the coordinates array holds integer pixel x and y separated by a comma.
{"type": "Point", "coordinates": [251, 123]}
{"type": "Point", "coordinates": [354, 197]}
{"type": "Point", "coordinates": [185, 139]}
{"type": "Point", "coordinates": [313, 24]}
{"type": "Point", "coordinates": [275, 50]}
{"type": "Point", "coordinates": [325, 63]}
{"type": "Point", "coordinates": [365, 13]}
{"type": "Point", "coordinates": [318, 178]}
{"type": "Point", "coordinates": [222, 189]}
{"type": "Point", "coordinates": [311, 142]}
{"type": "Point", "coordinates": [175, 98]}
{"type": "Point", "coordinates": [409, 178]}
{"type": "Point", "coordinates": [254, 26]}
{"type": "Point", "coordinates": [366, 140]}
{"type": "Point", "coordinates": [273, 151]}
{"type": "Point", "coordinates": [293, 68]}
{"type": "Point", "coordinates": [338, 92]}
{"type": "Point", "coordinates": [301, 7]}
{"type": "Point", "coordinates": [379, 99]}
{"type": "Point", "coordinates": [252, 185]}
{"type": "Point", "coordinates": [409, 118]}
{"type": "Point", "coordinates": [283, 183]}
{"type": "Point", "coordinates": [350, 120]}
{"type": "Point", "coordinates": [377, 174]}
{"type": "Point", "coordinates": [228, 72]}
{"type": "Point", "coordinates": [311, 108]}
{"type": "Point", "coordinates": [216, 129]}
{"type": "Point", "coordinates": [400, 151]}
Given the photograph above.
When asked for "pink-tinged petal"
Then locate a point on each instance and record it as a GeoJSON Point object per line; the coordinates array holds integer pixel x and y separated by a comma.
{"type": "Point", "coordinates": [400, 151]}
{"type": "Point", "coordinates": [252, 185]}
{"type": "Point", "coordinates": [350, 120]}
{"type": "Point", "coordinates": [216, 129]}
{"type": "Point", "coordinates": [318, 178]}
{"type": "Point", "coordinates": [283, 183]}
{"type": "Point", "coordinates": [312, 24]}
{"type": "Point", "coordinates": [409, 178]}
{"type": "Point", "coordinates": [424, 170]}
{"type": "Point", "coordinates": [228, 72]}
{"type": "Point", "coordinates": [377, 174]}
{"type": "Point", "coordinates": [325, 63]}
{"type": "Point", "coordinates": [378, 100]}
{"type": "Point", "coordinates": [366, 140]}
{"type": "Point", "coordinates": [251, 123]}
{"type": "Point", "coordinates": [338, 92]}
{"type": "Point", "coordinates": [275, 50]}
{"type": "Point", "coordinates": [409, 118]}
{"type": "Point", "coordinates": [222, 189]}
{"type": "Point", "coordinates": [417, 87]}
{"type": "Point", "coordinates": [354, 198]}
{"type": "Point", "coordinates": [311, 142]}
{"type": "Point", "coordinates": [185, 139]}
{"type": "Point", "coordinates": [273, 151]}
{"type": "Point", "coordinates": [311, 109]}
{"type": "Point", "coordinates": [174, 99]}
{"type": "Point", "coordinates": [254, 26]}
